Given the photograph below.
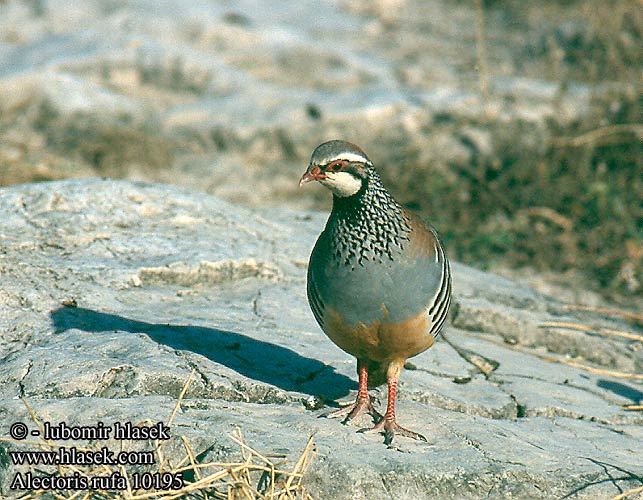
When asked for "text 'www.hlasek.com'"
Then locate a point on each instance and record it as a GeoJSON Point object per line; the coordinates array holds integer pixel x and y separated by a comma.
{"type": "Point", "coordinates": [79, 458]}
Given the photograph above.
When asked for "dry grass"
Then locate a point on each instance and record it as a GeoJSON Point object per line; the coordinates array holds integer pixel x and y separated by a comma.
{"type": "Point", "coordinates": [610, 312]}
{"type": "Point", "coordinates": [481, 52]}
{"type": "Point", "coordinates": [594, 330]}
{"type": "Point", "coordinates": [628, 494]}
{"type": "Point", "coordinates": [611, 134]}
{"type": "Point", "coordinates": [591, 330]}
{"type": "Point", "coordinates": [568, 362]}
{"type": "Point", "coordinates": [607, 332]}
{"type": "Point", "coordinates": [255, 476]}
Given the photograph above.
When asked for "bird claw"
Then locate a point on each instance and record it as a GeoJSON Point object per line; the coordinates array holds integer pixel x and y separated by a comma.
{"type": "Point", "coordinates": [353, 410]}
{"type": "Point", "coordinates": [390, 428]}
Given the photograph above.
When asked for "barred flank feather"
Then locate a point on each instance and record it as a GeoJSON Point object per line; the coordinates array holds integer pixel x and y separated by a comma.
{"type": "Point", "coordinates": [439, 309]}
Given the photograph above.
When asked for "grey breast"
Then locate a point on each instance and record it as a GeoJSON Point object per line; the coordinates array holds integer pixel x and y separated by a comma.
{"type": "Point", "coordinates": [377, 289]}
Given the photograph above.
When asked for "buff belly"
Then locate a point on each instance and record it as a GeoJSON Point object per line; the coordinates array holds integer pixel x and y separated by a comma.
{"type": "Point", "coordinates": [380, 340]}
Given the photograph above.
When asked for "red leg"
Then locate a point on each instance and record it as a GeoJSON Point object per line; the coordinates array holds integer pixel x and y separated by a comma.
{"type": "Point", "coordinates": [388, 425]}
{"type": "Point", "coordinates": [362, 402]}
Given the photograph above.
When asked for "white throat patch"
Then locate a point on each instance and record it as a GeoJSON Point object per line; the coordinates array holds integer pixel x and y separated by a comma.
{"type": "Point", "coordinates": [342, 184]}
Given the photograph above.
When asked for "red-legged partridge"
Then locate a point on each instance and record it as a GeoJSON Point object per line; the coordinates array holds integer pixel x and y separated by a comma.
{"type": "Point", "coordinates": [379, 282]}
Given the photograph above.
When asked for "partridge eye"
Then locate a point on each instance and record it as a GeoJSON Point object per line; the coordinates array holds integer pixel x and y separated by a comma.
{"type": "Point", "coordinates": [336, 166]}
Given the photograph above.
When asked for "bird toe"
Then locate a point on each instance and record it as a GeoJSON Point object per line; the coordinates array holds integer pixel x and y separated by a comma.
{"type": "Point", "coordinates": [390, 428]}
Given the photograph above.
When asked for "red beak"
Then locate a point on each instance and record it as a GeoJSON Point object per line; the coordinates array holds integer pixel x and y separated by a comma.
{"type": "Point", "coordinates": [312, 174]}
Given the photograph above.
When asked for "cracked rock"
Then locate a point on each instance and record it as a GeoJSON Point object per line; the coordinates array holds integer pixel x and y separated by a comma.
{"type": "Point", "coordinates": [81, 347]}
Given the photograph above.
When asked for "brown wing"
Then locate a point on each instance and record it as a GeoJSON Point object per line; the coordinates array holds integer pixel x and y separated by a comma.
{"type": "Point", "coordinates": [425, 241]}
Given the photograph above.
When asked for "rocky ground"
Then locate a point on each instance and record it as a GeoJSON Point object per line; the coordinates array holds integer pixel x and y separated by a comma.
{"type": "Point", "coordinates": [114, 291]}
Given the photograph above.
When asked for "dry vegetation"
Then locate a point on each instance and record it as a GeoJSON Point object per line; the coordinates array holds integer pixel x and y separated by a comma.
{"type": "Point", "coordinates": [254, 476]}
{"type": "Point", "coordinates": [576, 207]}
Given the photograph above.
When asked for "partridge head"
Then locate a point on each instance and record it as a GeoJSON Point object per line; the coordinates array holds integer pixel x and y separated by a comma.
{"type": "Point", "coordinates": [340, 166]}
{"type": "Point", "coordinates": [379, 282]}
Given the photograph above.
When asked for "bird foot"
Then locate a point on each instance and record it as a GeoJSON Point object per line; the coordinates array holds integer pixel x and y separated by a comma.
{"type": "Point", "coordinates": [356, 409]}
{"type": "Point", "coordinates": [390, 428]}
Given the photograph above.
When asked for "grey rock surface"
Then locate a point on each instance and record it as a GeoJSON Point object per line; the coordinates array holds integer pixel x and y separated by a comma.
{"type": "Point", "coordinates": [167, 281]}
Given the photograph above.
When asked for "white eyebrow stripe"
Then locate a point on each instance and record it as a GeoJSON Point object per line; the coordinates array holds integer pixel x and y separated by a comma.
{"type": "Point", "coordinates": [350, 157]}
